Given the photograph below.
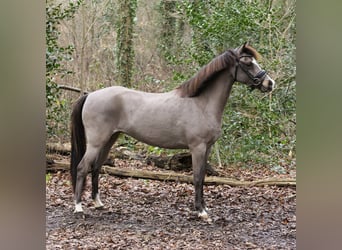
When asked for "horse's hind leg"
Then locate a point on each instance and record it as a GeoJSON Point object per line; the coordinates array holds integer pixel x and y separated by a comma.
{"type": "Point", "coordinates": [83, 167]}
{"type": "Point", "coordinates": [95, 194]}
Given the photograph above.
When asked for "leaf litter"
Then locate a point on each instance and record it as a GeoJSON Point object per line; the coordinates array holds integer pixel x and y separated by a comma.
{"type": "Point", "coordinates": [149, 214]}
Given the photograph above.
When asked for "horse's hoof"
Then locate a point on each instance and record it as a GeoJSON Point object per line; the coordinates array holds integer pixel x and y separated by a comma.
{"type": "Point", "coordinates": [100, 207]}
{"type": "Point", "coordinates": [208, 220]}
{"type": "Point", "coordinates": [97, 202]}
{"type": "Point", "coordinates": [76, 211]}
{"type": "Point", "coordinates": [203, 215]}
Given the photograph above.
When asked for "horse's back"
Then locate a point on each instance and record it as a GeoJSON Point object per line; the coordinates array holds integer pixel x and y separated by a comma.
{"type": "Point", "coordinates": [153, 118]}
{"type": "Point", "coordinates": [160, 119]}
{"type": "Point", "coordinates": [132, 100]}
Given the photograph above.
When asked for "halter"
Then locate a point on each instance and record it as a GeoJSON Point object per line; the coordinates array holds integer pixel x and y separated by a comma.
{"type": "Point", "coordinates": [257, 79]}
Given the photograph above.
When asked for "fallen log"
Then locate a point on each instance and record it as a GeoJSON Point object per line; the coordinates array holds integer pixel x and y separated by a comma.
{"type": "Point", "coordinates": [176, 162]}
{"type": "Point", "coordinates": [172, 176]}
{"type": "Point", "coordinates": [209, 180]}
{"type": "Point", "coordinates": [63, 149]}
{"type": "Point", "coordinates": [117, 152]}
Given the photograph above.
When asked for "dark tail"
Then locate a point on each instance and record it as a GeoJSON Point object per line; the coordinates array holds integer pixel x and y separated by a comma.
{"type": "Point", "coordinates": [78, 140]}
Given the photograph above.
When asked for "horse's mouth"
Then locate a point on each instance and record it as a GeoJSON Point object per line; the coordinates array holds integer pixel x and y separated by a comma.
{"type": "Point", "coordinates": [266, 89]}
{"type": "Point", "coordinates": [263, 89]}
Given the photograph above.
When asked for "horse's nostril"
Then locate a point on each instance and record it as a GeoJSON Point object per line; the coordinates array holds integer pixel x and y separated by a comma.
{"type": "Point", "coordinates": [271, 84]}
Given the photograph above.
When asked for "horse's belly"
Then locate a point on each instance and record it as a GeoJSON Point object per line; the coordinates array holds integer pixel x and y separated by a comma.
{"type": "Point", "coordinates": [164, 133]}
{"type": "Point", "coordinates": [159, 120]}
{"type": "Point", "coordinates": [162, 137]}
{"type": "Point", "coordinates": [169, 144]}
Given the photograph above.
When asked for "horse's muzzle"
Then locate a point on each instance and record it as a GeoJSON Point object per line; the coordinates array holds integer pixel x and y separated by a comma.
{"type": "Point", "coordinates": [267, 85]}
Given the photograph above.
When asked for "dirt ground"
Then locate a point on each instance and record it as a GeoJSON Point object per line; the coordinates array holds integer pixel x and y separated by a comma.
{"type": "Point", "coordinates": [147, 214]}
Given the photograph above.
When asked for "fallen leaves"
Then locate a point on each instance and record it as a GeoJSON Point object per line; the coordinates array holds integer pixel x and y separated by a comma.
{"type": "Point", "coordinates": [146, 214]}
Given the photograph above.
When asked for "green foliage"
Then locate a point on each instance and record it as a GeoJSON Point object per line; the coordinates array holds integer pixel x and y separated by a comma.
{"type": "Point", "coordinates": [155, 150]}
{"type": "Point", "coordinates": [185, 36]}
{"type": "Point", "coordinates": [256, 128]}
{"type": "Point", "coordinates": [171, 29]}
{"type": "Point", "coordinates": [48, 178]}
{"type": "Point", "coordinates": [218, 25]}
{"type": "Point", "coordinates": [55, 55]}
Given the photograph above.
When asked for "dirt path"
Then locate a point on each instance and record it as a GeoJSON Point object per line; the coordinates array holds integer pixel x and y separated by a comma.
{"type": "Point", "coordinates": [143, 214]}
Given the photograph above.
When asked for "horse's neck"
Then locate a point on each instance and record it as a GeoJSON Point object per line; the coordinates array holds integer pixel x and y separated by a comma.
{"type": "Point", "coordinates": [216, 97]}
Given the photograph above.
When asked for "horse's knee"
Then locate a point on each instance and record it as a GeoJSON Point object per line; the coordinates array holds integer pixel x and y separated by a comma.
{"type": "Point", "coordinates": [82, 169]}
{"type": "Point", "coordinates": [81, 175]}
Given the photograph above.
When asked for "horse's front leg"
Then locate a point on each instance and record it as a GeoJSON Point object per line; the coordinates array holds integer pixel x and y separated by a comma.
{"type": "Point", "coordinates": [199, 160]}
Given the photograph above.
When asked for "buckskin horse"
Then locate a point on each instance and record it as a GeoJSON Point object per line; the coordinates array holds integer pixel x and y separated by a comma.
{"type": "Point", "coordinates": [187, 117]}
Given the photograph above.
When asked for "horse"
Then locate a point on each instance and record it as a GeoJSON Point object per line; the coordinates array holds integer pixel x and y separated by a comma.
{"type": "Point", "coordinates": [187, 117]}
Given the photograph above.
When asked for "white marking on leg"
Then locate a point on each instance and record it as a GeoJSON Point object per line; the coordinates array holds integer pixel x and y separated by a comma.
{"type": "Point", "coordinates": [203, 215]}
{"type": "Point", "coordinates": [78, 208]}
{"type": "Point", "coordinates": [97, 201]}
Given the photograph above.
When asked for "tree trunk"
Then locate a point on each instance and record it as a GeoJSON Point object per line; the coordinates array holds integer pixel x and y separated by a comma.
{"type": "Point", "coordinates": [125, 50]}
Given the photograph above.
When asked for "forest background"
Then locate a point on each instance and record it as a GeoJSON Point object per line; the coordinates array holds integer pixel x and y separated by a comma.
{"type": "Point", "coordinates": [155, 45]}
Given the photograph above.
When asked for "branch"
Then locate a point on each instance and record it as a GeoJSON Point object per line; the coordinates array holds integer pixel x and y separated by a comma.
{"type": "Point", "coordinates": [72, 89]}
{"type": "Point", "coordinates": [209, 180]}
{"type": "Point", "coordinates": [172, 176]}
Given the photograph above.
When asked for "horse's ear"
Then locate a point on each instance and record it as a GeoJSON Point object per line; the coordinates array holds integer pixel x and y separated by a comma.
{"type": "Point", "coordinates": [242, 47]}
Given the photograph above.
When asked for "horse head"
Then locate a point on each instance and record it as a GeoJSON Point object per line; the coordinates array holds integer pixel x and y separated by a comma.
{"type": "Point", "coordinates": [248, 71]}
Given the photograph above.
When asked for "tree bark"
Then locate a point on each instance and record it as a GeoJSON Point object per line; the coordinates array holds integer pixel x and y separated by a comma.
{"type": "Point", "coordinates": [124, 41]}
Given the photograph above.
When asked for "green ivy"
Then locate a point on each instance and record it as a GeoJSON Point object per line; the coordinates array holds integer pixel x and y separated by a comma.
{"type": "Point", "coordinates": [255, 128]}
{"type": "Point", "coordinates": [55, 55]}
{"type": "Point", "coordinates": [124, 41]}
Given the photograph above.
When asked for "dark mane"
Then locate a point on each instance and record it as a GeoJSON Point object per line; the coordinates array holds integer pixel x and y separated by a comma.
{"type": "Point", "coordinates": [194, 86]}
